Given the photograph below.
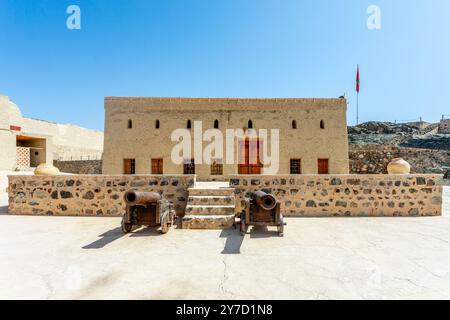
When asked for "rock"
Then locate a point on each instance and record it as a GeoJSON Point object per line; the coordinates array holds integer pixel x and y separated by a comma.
{"type": "Point", "coordinates": [447, 174]}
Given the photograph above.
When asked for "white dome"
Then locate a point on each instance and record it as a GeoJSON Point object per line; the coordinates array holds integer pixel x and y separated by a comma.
{"type": "Point", "coordinates": [10, 114]}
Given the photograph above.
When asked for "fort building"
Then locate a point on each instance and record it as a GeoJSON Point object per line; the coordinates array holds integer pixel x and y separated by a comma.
{"type": "Point", "coordinates": [312, 135]}
{"type": "Point", "coordinates": [26, 142]}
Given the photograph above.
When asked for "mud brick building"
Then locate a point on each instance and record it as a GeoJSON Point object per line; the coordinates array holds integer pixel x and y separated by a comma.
{"type": "Point", "coordinates": [312, 134]}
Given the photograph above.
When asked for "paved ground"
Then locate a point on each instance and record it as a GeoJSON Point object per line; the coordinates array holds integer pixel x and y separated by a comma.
{"type": "Point", "coordinates": [324, 258]}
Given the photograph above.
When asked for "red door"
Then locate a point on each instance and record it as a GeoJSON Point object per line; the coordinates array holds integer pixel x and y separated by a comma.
{"type": "Point", "coordinates": [322, 166]}
{"type": "Point", "coordinates": [249, 157]}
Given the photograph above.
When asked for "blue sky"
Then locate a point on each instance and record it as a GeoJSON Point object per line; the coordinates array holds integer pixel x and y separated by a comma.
{"type": "Point", "coordinates": [226, 48]}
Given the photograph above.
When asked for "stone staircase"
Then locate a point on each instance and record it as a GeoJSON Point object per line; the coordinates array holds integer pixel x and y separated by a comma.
{"type": "Point", "coordinates": [210, 206]}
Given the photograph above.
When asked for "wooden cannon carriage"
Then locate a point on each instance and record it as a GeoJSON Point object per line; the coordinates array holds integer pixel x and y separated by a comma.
{"type": "Point", "coordinates": [262, 209]}
{"type": "Point", "coordinates": [147, 209]}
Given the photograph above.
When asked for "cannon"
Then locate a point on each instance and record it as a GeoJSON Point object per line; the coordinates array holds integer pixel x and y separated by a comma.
{"type": "Point", "coordinates": [262, 209]}
{"type": "Point", "coordinates": [147, 209]}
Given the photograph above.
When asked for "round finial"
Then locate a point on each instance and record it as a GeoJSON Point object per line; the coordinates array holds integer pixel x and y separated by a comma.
{"type": "Point", "coordinates": [398, 166]}
{"type": "Point", "coordinates": [45, 169]}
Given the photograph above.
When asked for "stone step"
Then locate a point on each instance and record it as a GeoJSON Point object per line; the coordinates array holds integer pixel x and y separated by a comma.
{"type": "Point", "coordinates": [211, 200]}
{"type": "Point", "coordinates": [209, 210]}
{"type": "Point", "coordinates": [207, 222]}
{"type": "Point", "coordinates": [211, 191]}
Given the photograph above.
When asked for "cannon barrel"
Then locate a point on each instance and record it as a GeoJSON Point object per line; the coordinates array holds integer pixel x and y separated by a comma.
{"type": "Point", "coordinates": [264, 200]}
{"type": "Point", "coordinates": [135, 197]}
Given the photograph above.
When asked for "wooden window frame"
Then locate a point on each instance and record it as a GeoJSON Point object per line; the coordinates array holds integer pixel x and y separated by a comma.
{"type": "Point", "coordinates": [319, 168]}
{"type": "Point", "coordinates": [295, 168]}
{"type": "Point", "coordinates": [157, 166]}
{"type": "Point", "coordinates": [216, 168]}
{"type": "Point", "coordinates": [131, 170]}
{"type": "Point", "coordinates": [189, 167]}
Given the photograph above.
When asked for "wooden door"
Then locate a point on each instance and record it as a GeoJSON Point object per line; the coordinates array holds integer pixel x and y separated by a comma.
{"type": "Point", "coordinates": [129, 166]}
{"type": "Point", "coordinates": [249, 157]}
{"type": "Point", "coordinates": [157, 166]}
{"type": "Point", "coordinates": [322, 165]}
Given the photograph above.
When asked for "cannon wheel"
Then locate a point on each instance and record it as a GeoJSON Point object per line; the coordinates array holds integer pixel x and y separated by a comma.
{"type": "Point", "coordinates": [166, 223]}
{"type": "Point", "coordinates": [165, 228]}
{"type": "Point", "coordinates": [126, 227]}
{"type": "Point", "coordinates": [243, 227]}
{"type": "Point", "coordinates": [281, 226]}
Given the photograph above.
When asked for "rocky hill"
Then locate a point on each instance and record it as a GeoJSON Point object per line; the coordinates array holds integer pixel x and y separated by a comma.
{"type": "Point", "coordinates": [402, 135]}
{"type": "Point", "coordinates": [374, 144]}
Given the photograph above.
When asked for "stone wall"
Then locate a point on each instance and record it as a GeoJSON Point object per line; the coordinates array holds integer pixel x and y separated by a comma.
{"type": "Point", "coordinates": [89, 195]}
{"type": "Point", "coordinates": [444, 126]}
{"type": "Point", "coordinates": [79, 166]}
{"type": "Point", "coordinates": [347, 195]}
{"type": "Point", "coordinates": [373, 159]}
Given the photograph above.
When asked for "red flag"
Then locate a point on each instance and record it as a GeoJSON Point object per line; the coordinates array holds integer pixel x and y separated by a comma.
{"type": "Point", "coordinates": [357, 80]}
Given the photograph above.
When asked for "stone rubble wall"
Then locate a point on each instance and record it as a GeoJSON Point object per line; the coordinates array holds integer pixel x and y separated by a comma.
{"type": "Point", "coordinates": [89, 195]}
{"type": "Point", "coordinates": [79, 166]}
{"type": "Point", "coordinates": [365, 159]}
{"type": "Point", "coordinates": [444, 126]}
{"type": "Point", "coordinates": [347, 195]}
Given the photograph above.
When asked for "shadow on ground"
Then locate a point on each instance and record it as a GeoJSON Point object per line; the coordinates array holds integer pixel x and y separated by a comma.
{"type": "Point", "coordinates": [233, 241]}
{"type": "Point", "coordinates": [116, 233]}
{"type": "Point", "coordinates": [3, 210]}
{"type": "Point", "coordinates": [106, 238]}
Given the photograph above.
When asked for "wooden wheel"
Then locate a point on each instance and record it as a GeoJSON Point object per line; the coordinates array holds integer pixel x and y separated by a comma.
{"type": "Point", "coordinates": [126, 227]}
{"type": "Point", "coordinates": [243, 227]}
{"type": "Point", "coordinates": [165, 227]}
{"type": "Point", "coordinates": [281, 226]}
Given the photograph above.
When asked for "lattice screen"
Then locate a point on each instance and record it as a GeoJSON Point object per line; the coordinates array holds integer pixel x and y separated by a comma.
{"type": "Point", "coordinates": [22, 157]}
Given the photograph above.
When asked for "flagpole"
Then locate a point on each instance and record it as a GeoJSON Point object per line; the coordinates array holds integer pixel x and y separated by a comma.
{"type": "Point", "coordinates": [357, 96]}
{"type": "Point", "coordinates": [357, 108]}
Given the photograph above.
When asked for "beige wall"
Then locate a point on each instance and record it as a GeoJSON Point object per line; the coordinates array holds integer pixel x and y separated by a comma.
{"type": "Point", "coordinates": [68, 140]}
{"type": "Point", "coordinates": [9, 115]}
{"type": "Point", "coordinates": [8, 150]}
{"type": "Point", "coordinates": [144, 142]}
{"type": "Point", "coordinates": [60, 141]}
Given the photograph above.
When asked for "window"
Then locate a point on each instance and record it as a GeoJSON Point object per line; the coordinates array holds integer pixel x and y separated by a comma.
{"type": "Point", "coordinates": [129, 166]}
{"type": "Point", "coordinates": [189, 166]}
{"type": "Point", "coordinates": [250, 124]}
{"type": "Point", "coordinates": [296, 166]}
{"type": "Point", "coordinates": [294, 124]}
{"type": "Point", "coordinates": [189, 124]}
{"type": "Point", "coordinates": [157, 166]}
{"type": "Point", "coordinates": [157, 124]}
{"type": "Point", "coordinates": [322, 166]}
{"type": "Point", "coordinates": [130, 124]}
{"type": "Point", "coordinates": [217, 168]}
{"type": "Point", "coordinates": [322, 124]}
{"type": "Point", "coordinates": [216, 124]}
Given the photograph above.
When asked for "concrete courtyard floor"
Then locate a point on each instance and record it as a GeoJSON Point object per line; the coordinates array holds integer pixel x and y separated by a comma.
{"type": "Point", "coordinates": [319, 258]}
